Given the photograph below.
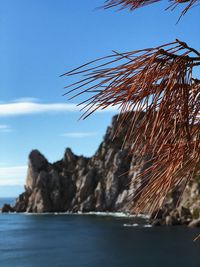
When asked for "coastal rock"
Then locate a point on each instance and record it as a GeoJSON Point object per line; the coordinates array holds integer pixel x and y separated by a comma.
{"type": "Point", "coordinates": [21, 204]}
{"type": "Point", "coordinates": [104, 182]}
{"type": "Point", "coordinates": [77, 183]}
{"type": "Point", "coordinates": [7, 208]}
{"type": "Point", "coordinates": [194, 223]}
{"type": "Point", "coordinates": [170, 215]}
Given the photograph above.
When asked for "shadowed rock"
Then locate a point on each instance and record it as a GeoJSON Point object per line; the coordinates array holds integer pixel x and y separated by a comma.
{"type": "Point", "coordinates": [6, 208]}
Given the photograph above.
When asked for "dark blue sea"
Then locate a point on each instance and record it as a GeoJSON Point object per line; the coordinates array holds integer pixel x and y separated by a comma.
{"type": "Point", "coordinates": [93, 241]}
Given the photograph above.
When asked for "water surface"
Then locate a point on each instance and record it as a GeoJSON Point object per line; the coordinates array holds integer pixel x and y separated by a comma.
{"type": "Point", "coordinates": [93, 241]}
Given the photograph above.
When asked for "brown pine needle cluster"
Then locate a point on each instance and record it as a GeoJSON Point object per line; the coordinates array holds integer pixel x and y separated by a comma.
{"type": "Point", "coordinates": [133, 4]}
{"type": "Point", "coordinates": [155, 89]}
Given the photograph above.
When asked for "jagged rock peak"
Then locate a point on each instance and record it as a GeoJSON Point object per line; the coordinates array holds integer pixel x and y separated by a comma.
{"type": "Point", "coordinates": [69, 156]}
{"type": "Point", "coordinates": [37, 160]}
{"type": "Point", "coordinates": [36, 163]}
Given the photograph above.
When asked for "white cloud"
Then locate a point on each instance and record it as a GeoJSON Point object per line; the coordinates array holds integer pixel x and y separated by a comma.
{"type": "Point", "coordinates": [25, 99]}
{"type": "Point", "coordinates": [14, 175]}
{"type": "Point", "coordinates": [5, 128]}
{"type": "Point", "coordinates": [79, 134]}
{"type": "Point", "coordinates": [31, 107]}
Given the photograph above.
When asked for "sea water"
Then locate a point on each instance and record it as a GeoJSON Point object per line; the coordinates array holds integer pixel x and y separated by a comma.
{"type": "Point", "coordinates": [67, 240]}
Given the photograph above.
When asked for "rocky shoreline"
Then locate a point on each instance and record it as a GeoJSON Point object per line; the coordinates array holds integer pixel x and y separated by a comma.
{"type": "Point", "coordinates": [104, 182]}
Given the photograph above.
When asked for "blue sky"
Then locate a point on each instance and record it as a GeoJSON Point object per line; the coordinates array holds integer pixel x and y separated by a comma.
{"type": "Point", "coordinates": [42, 39]}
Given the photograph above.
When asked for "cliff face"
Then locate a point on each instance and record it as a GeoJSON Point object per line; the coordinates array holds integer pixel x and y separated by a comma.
{"type": "Point", "coordinates": [103, 182]}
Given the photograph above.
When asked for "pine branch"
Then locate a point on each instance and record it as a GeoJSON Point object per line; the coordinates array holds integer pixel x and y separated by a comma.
{"type": "Point", "coordinates": [134, 4]}
{"type": "Point", "coordinates": [155, 90]}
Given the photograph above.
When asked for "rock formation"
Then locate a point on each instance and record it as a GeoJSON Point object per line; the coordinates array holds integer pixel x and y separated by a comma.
{"type": "Point", "coordinates": [104, 182]}
{"type": "Point", "coordinates": [7, 208]}
{"type": "Point", "coordinates": [188, 210]}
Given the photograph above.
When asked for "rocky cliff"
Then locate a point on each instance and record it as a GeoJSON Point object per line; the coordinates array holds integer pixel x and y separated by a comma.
{"type": "Point", "coordinates": [104, 182]}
